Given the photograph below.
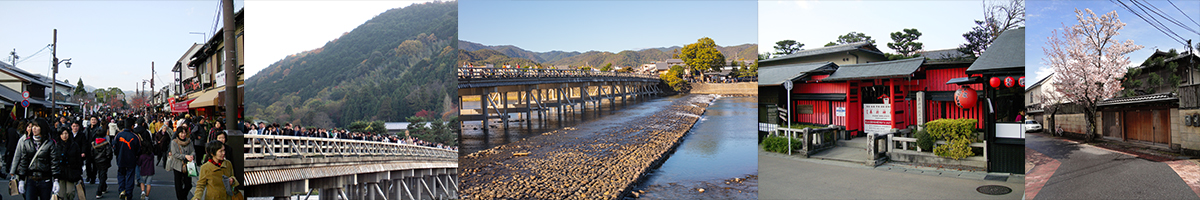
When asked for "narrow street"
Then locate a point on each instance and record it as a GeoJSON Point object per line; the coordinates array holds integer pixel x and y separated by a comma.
{"type": "Point", "coordinates": [1069, 170]}
{"type": "Point", "coordinates": [790, 177]}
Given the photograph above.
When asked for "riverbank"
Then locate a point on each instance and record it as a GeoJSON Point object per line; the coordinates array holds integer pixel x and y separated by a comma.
{"type": "Point", "coordinates": [602, 159]}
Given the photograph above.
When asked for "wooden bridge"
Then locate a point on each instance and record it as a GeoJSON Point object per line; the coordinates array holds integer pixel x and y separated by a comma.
{"type": "Point", "coordinates": [547, 90]}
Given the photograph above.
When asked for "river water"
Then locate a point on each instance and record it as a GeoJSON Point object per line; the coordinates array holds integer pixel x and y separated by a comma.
{"type": "Point", "coordinates": [720, 148]}
{"type": "Point", "coordinates": [475, 138]}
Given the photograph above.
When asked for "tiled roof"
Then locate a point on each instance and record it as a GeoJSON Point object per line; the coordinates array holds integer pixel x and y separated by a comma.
{"type": "Point", "coordinates": [775, 75]}
{"type": "Point", "coordinates": [888, 69]}
{"type": "Point", "coordinates": [1006, 53]}
{"type": "Point", "coordinates": [1138, 99]}
{"type": "Point", "coordinates": [824, 50]}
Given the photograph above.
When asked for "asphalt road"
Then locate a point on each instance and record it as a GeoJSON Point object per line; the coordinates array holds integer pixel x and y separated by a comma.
{"type": "Point", "coordinates": [782, 177]}
{"type": "Point", "coordinates": [1088, 172]}
{"type": "Point", "coordinates": [162, 186]}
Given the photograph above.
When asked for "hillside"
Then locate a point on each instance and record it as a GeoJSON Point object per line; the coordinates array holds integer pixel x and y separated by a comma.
{"type": "Point", "coordinates": [388, 68]}
{"type": "Point", "coordinates": [593, 58]}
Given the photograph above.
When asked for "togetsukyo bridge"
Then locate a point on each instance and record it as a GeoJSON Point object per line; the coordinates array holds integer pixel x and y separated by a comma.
{"type": "Point", "coordinates": [547, 90]}
{"type": "Point", "coordinates": [281, 166]}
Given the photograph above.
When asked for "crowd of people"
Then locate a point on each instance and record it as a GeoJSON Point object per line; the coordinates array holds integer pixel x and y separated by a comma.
{"type": "Point", "coordinates": [44, 159]}
{"type": "Point", "coordinates": [262, 128]}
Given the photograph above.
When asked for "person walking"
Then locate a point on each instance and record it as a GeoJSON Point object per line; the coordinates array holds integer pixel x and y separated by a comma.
{"type": "Point", "coordinates": [145, 163]}
{"type": "Point", "coordinates": [216, 176]}
{"type": "Point", "coordinates": [181, 154]}
{"type": "Point", "coordinates": [102, 148]}
{"type": "Point", "coordinates": [70, 160]}
{"type": "Point", "coordinates": [33, 164]}
{"type": "Point", "coordinates": [128, 149]}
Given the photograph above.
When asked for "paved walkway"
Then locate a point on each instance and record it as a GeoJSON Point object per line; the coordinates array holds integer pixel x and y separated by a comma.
{"type": "Point", "coordinates": [793, 177]}
{"type": "Point", "coordinates": [1069, 170]}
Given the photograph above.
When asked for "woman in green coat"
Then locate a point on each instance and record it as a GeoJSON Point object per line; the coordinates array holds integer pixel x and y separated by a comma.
{"type": "Point", "coordinates": [216, 176]}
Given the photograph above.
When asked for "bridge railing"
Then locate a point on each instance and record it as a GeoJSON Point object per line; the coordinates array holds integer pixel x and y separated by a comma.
{"type": "Point", "coordinates": [280, 146]}
{"type": "Point", "coordinates": [470, 73]}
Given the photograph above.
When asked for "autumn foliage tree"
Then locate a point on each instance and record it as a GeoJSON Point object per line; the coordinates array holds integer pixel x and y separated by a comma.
{"type": "Point", "coordinates": [1088, 61]}
{"type": "Point", "coordinates": [702, 56]}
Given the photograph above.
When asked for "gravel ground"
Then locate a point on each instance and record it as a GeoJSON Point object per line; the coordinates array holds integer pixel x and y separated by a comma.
{"type": "Point", "coordinates": [601, 159]}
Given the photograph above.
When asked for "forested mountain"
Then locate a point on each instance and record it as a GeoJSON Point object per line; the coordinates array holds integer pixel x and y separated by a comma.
{"type": "Point", "coordinates": [630, 58]}
{"type": "Point", "coordinates": [391, 67]}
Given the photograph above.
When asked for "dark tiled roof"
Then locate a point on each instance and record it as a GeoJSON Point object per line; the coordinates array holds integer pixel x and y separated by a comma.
{"type": "Point", "coordinates": [775, 75]}
{"type": "Point", "coordinates": [942, 54]}
{"type": "Point", "coordinates": [1006, 53]}
{"type": "Point", "coordinates": [1138, 99]}
{"type": "Point", "coordinates": [888, 69]}
{"type": "Point", "coordinates": [825, 50]}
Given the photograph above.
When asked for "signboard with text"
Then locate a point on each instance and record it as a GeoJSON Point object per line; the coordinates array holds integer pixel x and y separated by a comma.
{"type": "Point", "coordinates": [877, 118]}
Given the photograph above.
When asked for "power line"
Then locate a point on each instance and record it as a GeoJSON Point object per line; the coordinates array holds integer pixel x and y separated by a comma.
{"type": "Point", "coordinates": [1168, 18]}
{"type": "Point", "coordinates": [32, 56]}
{"type": "Point", "coordinates": [1159, 26]}
{"type": "Point", "coordinates": [1184, 13]}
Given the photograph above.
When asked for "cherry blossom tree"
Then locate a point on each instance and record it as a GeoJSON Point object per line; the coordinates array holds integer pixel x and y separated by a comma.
{"type": "Point", "coordinates": [1088, 62]}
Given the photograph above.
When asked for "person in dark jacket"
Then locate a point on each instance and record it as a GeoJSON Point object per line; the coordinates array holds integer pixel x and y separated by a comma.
{"type": "Point", "coordinates": [145, 158]}
{"type": "Point", "coordinates": [10, 143]}
{"type": "Point", "coordinates": [33, 162]}
{"type": "Point", "coordinates": [70, 159]}
{"type": "Point", "coordinates": [102, 148]}
{"type": "Point", "coordinates": [128, 149]}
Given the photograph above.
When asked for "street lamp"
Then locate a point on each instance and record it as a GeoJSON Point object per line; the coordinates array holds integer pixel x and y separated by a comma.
{"type": "Point", "coordinates": [54, 83]}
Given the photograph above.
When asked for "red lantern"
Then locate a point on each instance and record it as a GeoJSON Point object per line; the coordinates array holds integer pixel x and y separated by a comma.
{"type": "Point", "coordinates": [965, 98]}
{"type": "Point", "coordinates": [1022, 81]}
{"type": "Point", "coordinates": [1008, 81]}
{"type": "Point", "coordinates": [994, 82]}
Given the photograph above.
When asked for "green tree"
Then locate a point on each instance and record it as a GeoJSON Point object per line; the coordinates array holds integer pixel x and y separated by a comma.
{"type": "Point", "coordinates": [363, 126]}
{"type": "Point", "coordinates": [607, 67]}
{"type": "Point", "coordinates": [702, 56]}
{"type": "Point", "coordinates": [830, 44]}
{"type": "Point", "coordinates": [673, 77]}
{"type": "Point", "coordinates": [751, 71]}
{"type": "Point", "coordinates": [79, 91]}
{"type": "Point", "coordinates": [978, 39]}
{"type": "Point", "coordinates": [853, 37]}
{"type": "Point", "coordinates": [905, 42]}
{"type": "Point", "coordinates": [764, 56]}
{"type": "Point", "coordinates": [785, 47]}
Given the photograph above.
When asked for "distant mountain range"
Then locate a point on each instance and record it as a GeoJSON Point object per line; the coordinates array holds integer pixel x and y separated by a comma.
{"type": "Point", "coordinates": [508, 54]}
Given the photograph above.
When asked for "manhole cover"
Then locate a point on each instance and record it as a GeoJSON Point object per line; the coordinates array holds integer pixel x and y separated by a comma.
{"type": "Point", "coordinates": [993, 189]}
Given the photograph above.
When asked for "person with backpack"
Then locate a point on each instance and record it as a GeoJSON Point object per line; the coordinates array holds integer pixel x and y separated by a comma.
{"type": "Point", "coordinates": [145, 157]}
{"type": "Point", "coordinates": [103, 150]}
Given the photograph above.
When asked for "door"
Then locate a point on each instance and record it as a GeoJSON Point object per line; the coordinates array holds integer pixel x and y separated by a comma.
{"type": "Point", "coordinates": [1162, 126]}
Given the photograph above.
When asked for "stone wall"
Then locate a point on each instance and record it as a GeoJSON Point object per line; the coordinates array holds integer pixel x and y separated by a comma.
{"type": "Point", "coordinates": [1185, 137]}
{"type": "Point", "coordinates": [744, 88]}
{"type": "Point", "coordinates": [1073, 123]}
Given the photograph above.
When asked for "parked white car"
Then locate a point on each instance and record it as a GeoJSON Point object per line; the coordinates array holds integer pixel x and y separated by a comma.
{"type": "Point", "coordinates": [1031, 126]}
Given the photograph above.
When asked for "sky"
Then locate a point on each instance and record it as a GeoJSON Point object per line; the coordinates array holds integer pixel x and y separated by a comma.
{"type": "Point", "coordinates": [611, 26]}
{"type": "Point", "coordinates": [1045, 16]}
{"type": "Point", "coordinates": [815, 23]}
{"type": "Point", "coordinates": [291, 27]}
{"type": "Point", "coordinates": [111, 44]}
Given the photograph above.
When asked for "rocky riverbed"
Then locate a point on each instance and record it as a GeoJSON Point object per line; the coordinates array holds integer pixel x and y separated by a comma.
{"type": "Point", "coordinates": [601, 159]}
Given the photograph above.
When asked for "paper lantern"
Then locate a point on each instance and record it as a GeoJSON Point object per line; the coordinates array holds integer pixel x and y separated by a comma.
{"type": "Point", "coordinates": [1022, 81]}
{"type": "Point", "coordinates": [965, 98]}
{"type": "Point", "coordinates": [994, 82]}
{"type": "Point", "coordinates": [1009, 82]}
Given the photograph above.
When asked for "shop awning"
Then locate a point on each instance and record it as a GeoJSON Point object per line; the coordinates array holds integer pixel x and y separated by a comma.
{"type": "Point", "coordinates": [207, 99]}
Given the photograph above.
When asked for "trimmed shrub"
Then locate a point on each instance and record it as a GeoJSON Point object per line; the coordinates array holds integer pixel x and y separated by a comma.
{"type": "Point", "coordinates": [779, 144]}
{"type": "Point", "coordinates": [958, 134]}
{"type": "Point", "coordinates": [924, 140]}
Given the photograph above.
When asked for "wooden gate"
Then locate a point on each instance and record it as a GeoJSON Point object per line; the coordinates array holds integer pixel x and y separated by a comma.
{"type": "Point", "coordinates": [1147, 125]}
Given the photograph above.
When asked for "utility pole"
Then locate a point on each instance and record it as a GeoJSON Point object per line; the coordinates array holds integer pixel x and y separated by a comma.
{"type": "Point", "coordinates": [231, 91]}
{"type": "Point", "coordinates": [54, 74]}
{"type": "Point", "coordinates": [152, 79]}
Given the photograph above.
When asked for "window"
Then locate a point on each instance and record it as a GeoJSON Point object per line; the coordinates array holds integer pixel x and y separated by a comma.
{"type": "Point", "coordinates": [804, 109]}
